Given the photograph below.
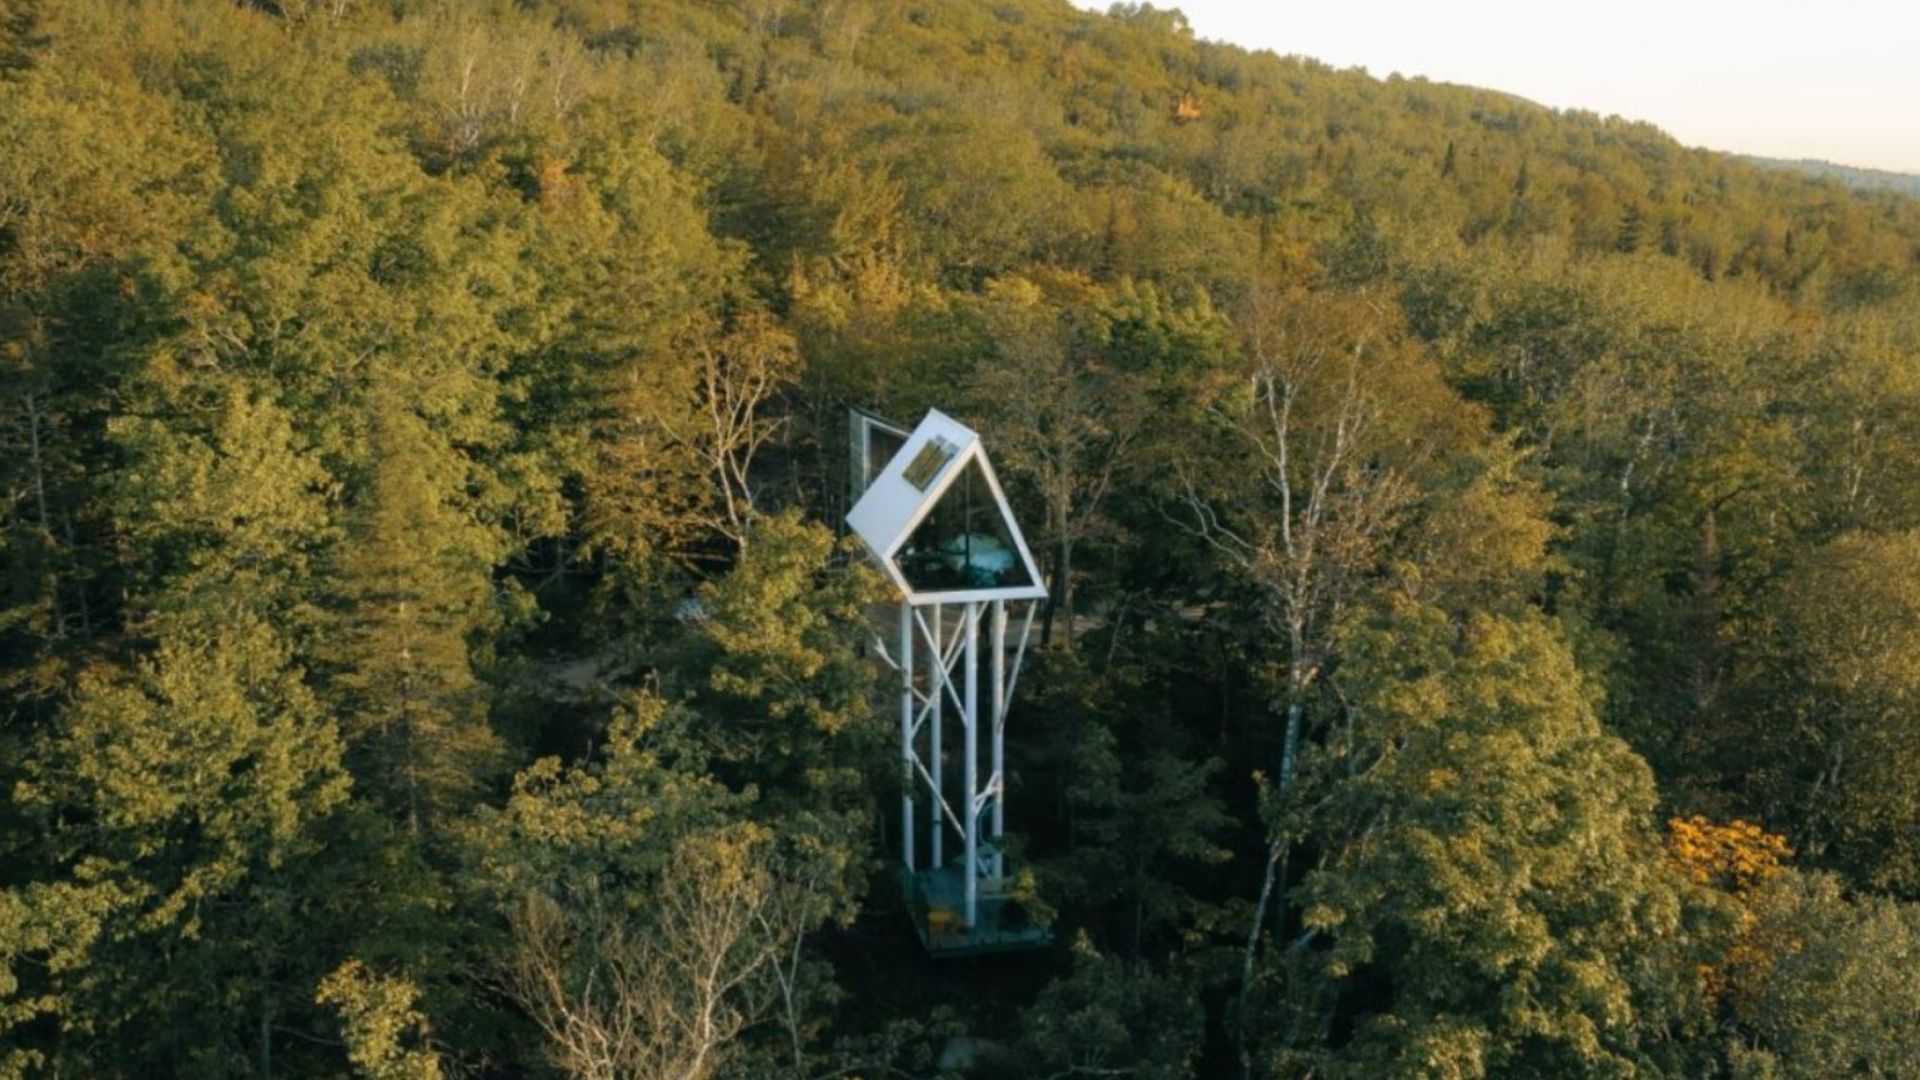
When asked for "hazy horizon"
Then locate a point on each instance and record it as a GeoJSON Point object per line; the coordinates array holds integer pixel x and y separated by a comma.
{"type": "Point", "coordinates": [1768, 78]}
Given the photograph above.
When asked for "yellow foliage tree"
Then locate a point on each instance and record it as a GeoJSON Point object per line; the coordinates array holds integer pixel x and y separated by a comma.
{"type": "Point", "coordinates": [1736, 857]}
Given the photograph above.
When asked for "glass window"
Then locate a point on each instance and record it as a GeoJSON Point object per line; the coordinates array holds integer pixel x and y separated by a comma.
{"type": "Point", "coordinates": [882, 444]}
{"type": "Point", "coordinates": [963, 543]}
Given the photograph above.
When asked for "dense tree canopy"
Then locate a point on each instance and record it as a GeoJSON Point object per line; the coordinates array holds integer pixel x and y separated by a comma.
{"type": "Point", "coordinates": [425, 650]}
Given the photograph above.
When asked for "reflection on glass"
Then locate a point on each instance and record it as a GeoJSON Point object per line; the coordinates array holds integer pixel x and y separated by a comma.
{"type": "Point", "coordinates": [882, 445]}
{"type": "Point", "coordinates": [963, 543]}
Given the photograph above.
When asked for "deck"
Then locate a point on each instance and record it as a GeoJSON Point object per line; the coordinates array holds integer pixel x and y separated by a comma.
{"type": "Point", "coordinates": [936, 901]}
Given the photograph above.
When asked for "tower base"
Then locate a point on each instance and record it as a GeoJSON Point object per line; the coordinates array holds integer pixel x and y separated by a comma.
{"type": "Point", "coordinates": [937, 904]}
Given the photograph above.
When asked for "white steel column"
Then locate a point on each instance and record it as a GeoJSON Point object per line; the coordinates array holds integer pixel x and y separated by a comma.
{"type": "Point", "coordinates": [998, 778]}
{"type": "Point", "coordinates": [937, 690]}
{"type": "Point", "coordinates": [972, 767]}
{"type": "Point", "coordinates": [908, 782]}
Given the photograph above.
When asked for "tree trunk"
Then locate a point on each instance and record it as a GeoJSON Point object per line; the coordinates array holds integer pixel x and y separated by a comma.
{"type": "Point", "coordinates": [264, 1035]}
{"type": "Point", "coordinates": [40, 502]}
{"type": "Point", "coordinates": [1065, 586]}
{"type": "Point", "coordinates": [1252, 948]}
{"type": "Point", "coordinates": [1289, 749]}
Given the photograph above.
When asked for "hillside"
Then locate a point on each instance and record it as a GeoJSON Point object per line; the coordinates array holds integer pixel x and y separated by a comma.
{"type": "Point", "coordinates": [1857, 178]}
{"type": "Point", "coordinates": [1479, 541]}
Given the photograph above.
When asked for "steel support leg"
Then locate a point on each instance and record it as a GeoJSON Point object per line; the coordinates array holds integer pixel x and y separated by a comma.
{"type": "Point", "coordinates": [971, 768]}
{"type": "Point", "coordinates": [936, 688]}
{"type": "Point", "coordinates": [999, 730]}
{"type": "Point", "coordinates": [909, 783]}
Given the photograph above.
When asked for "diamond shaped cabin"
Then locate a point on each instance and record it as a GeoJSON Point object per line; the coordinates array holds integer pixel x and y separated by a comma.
{"type": "Point", "coordinates": [935, 518]}
{"type": "Point", "coordinates": [938, 522]}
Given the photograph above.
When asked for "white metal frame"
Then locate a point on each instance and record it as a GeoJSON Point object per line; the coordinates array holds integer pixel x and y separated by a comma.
{"type": "Point", "coordinates": [892, 507]}
{"type": "Point", "coordinates": [861, 427]}
{"type": "Point", "coordinates": [939, 659]}
{"type": "Point", "coordinates": [927, 687]}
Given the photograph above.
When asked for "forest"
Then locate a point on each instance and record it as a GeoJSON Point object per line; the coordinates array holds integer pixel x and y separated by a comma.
{"type": "Point", "coordinates": [1483, 630]}
{"type": "Point", "coordinates": [1864, 179]}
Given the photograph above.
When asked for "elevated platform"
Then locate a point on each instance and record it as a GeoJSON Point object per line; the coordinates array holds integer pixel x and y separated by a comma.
{"type": "Point", "coordinates": [937, 903]}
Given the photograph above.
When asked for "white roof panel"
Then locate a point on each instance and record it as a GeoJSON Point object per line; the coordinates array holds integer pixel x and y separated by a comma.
{"type": "Point", "coordinates": [971, 561]}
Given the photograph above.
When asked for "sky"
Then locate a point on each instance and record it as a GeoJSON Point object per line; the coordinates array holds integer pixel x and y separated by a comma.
{"type": "Point", "coordinates": [1838, 80]}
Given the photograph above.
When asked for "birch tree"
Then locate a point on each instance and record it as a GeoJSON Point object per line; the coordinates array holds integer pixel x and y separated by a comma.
{"type": "Point", "coordinates": [1296, 480]}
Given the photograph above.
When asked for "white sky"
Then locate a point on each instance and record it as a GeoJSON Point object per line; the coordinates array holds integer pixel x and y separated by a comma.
{"type": "Point", "coordinates": [1838, 80]}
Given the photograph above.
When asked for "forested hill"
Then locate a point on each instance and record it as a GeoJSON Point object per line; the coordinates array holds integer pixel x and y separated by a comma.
{"type": "Point", "coordinates": [1861, 179]}
{"type": "Point", "coordinates": [1485, 632]}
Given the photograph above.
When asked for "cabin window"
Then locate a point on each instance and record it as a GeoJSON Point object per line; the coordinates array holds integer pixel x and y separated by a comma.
{"type": "Point", "coordinates": [964, 542]}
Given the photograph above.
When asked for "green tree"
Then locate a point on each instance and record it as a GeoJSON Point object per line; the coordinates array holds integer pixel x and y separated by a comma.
{"type": "Point", "coordinates": [1061, 417]}
{"type": "Point", "coordinates": [380, 1021]}
{"type": "Point", "coordinates": [1493, 903]}
{"type": "Point", "coordinates": [1850, 627]}
{"type": "Point", "coordinates": [412, 586]}
{"type": "Point", "coordinates": [1825, 985]}
{"type": "Point", "coordinates": [1337, 415]}
{"type": "Point", "coordinates": [21, 36]}
{"type": "Point", "coordinates": [776, 655]}
{"type": "Point", "coordinates": [651, 926]}
{"type": "Point", "coordinates": [1109, 1017]}
{"type": "Point", "coordinates": [1142, 818]}
{"type": "Point", "coordinates": [179, 804]}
